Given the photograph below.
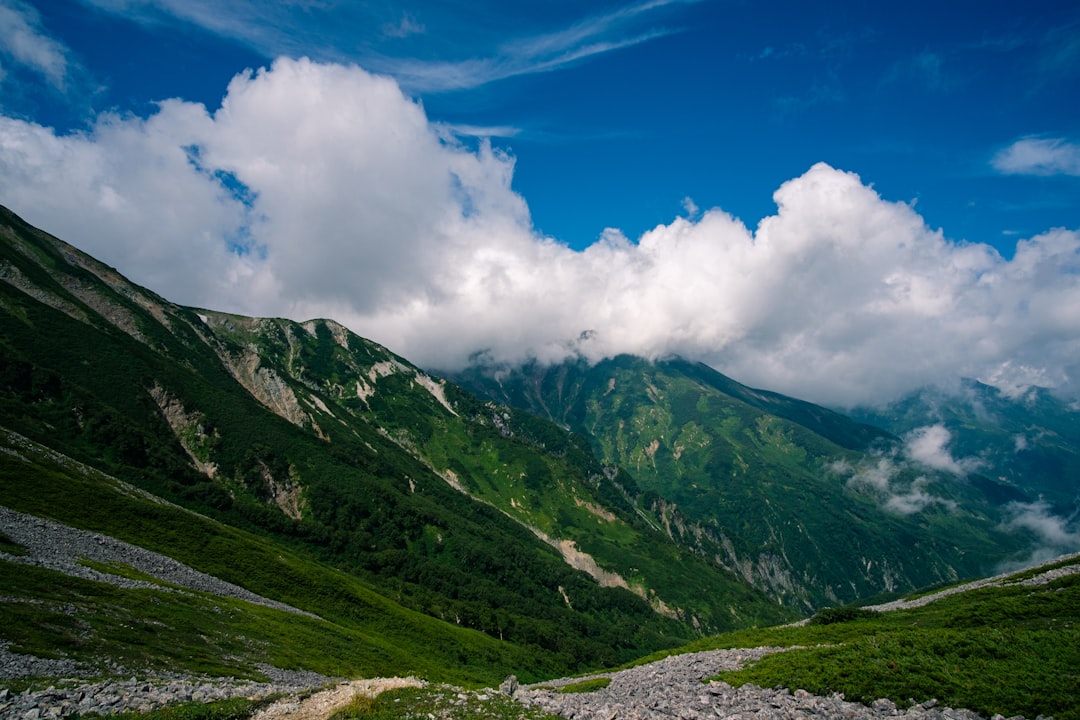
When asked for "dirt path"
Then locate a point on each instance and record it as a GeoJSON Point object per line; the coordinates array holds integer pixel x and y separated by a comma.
{"type": "Point", "coordinates": [322, 704]}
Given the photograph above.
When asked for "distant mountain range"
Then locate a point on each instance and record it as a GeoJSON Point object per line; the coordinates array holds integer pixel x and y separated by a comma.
{"type": "Point", "coordinates": [561, 517]}
{"type": "Point", "coordinates": [810, 505]}
{"type": "Point", "coordinates": [1028, 443]}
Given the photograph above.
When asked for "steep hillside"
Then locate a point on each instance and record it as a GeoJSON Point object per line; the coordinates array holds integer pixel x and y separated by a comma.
{"type": "Point", "coordinates": [93, 607]}
{"type": "Point", "coordinates": [322, 376]}
{"type": "Point", "coordinates": [804, 502]}
{"type": "Point", "coordinates": [318, 440]}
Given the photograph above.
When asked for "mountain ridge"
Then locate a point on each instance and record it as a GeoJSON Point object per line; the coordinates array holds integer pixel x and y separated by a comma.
{"type": "Point", "coordinates": [708, 449]}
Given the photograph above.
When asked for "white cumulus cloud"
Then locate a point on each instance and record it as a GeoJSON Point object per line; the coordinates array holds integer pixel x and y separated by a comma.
{"type": "Point", "coordinates": [323, 190]}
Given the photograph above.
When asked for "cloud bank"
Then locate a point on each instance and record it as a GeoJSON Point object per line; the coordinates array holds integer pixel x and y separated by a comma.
{"type": "Point", "coordinates": [323, 190]}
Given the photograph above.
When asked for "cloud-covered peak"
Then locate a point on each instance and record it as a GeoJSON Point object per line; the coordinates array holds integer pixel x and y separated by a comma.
{"type": "Point", "coordinates": [321, 190]}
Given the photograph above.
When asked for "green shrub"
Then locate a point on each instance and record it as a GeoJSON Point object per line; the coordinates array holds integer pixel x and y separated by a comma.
{"type": "Point", "coordinates": [439, 701]}
{"type": "Point", "coordinates": [361, 706]}
{"type": "Point", "coordinates": [234, 709]}
{"type": "Point", "coordinates": [846, 613]}
{"type": "Point", "coordinates": [585, 686]}
{"type": "Point", "coordinates": [9, 546]}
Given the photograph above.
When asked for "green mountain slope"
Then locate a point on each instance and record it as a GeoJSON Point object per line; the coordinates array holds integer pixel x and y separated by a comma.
{"type": "Point", "coordinates": [526, 467]}
{"type": "Point", "coordinates": [791, 495]}
{"type": "Point", "coordinates": [358, 631]}
{"type": "Point", "coordinates": [339, 452]}
{"type": "Point", "coordinates": [1003, 647]}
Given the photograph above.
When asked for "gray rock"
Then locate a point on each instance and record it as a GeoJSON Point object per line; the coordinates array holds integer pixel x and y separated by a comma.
{"type": "Point", "coordinates": [673, 688]}
{"type": "Point", "coordinates": [140, 695]}
{"type": "Point", "coordinates": [509, 686]}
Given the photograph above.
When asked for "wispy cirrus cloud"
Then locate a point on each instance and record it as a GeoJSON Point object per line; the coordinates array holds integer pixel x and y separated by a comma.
{"type": "Point", "coordinates": [537, 53]}
{"type": "Point", "coordinates": [404, 27]}
{"type": "Point", "coordinates": [477, 131]}
{"type": "Point", "coordinates": [466, 57]}
{"type": "Point", "coordinates": [1060, 57]}
{"type": "Point", "coordinates": [926, 68]}
{"type": "Point", "coordinates": [1035, 155]}
{"type": "Point", "coordinates": [24, 41]}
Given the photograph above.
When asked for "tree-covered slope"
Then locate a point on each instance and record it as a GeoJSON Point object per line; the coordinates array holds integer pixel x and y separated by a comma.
{"type": "Point", "coordinates": [526, 467]}
{"type": "Point", "coordinates": [350, 629]}
{"type": "Point", "coordinates": [808, 504]}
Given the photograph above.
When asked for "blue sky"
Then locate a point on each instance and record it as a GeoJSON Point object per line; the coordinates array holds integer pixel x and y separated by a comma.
{"type": "Point", "coordinates": [616, 113]}
{"type": "Point", "coordinates": [568, 141]}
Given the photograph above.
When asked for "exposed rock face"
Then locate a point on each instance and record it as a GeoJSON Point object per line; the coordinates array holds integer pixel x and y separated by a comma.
{"type": "Point", "coordinates": [287, 494]}
{"type": "Point", "coordinates": [189, 430]}
{"type": "Point", "coordinates": [113, 302]}
{"type": "Point", "coordinates": [13, 276]}
{"type": "Point", "coordinates": [266, 386]}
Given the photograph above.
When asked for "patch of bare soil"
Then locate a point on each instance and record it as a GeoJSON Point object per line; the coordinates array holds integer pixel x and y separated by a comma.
{"type": "Point", "coordinates": [323, 704]}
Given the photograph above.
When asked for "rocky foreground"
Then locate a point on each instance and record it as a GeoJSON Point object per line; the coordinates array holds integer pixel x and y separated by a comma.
{"type": "Point", "coordinates": [676, 687]}
{"type": "Point", "coordinates": [73, 697]}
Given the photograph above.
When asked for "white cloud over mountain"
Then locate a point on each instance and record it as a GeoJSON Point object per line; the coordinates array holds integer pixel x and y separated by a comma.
{"type": "Point", "coordinates": [322, 190]}
{"type": "Point", "coordinates": [929, 446]}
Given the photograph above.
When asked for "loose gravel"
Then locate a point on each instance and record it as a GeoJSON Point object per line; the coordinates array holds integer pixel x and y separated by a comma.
{"type": "Point", "coordinates": [676, 687]}
{"type": "Point", "coordinates": [55, 546]}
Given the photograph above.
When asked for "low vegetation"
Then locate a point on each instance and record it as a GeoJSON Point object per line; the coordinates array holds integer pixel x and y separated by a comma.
{"type": "Point", "coordinates": [1010, 650]}
{"type": "Point", "coordinates": [438, 701]}
{"type": "Point", "coordinates": [9, 546]}
{"type": "Point", "coordinates": [585, 686]}
{"type": "Point", "coordinates": [235, 709]}
{"type": "Point", "coordinates": [358, 631]}
{"type": "Point", "coordinates": [846, 613]}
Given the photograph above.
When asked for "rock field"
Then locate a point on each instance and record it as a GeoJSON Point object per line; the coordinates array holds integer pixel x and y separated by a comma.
{"type": "Point", "coordinates": [675, 688]}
